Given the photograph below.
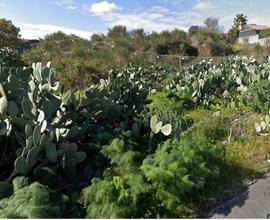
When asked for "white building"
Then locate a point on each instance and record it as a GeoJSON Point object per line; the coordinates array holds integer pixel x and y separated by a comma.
{"type": "Point", "coordinates": [250, 34]}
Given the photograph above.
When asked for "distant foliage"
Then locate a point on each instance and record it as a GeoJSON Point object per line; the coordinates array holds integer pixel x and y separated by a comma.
{"type": "Point", "coordinates": [257, 96]}
{"type": "Point", "coordinates": [265, 33]}
{"type": "Point", "coordinates": [83, 62]}
{"type": "Point", "coordinates": [9, 34]}
{"type": "Point", "coordinates": [208, 82]}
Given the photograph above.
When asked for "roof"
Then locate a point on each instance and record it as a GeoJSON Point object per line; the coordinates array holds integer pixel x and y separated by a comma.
{"type": "Point", "coordinates": [257, 27]}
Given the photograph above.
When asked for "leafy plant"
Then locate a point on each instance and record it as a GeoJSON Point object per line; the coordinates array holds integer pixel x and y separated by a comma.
{"type": "Point", "coordinates": [208, 82]}
{"type": "Point", "coordinates": [257, 96]}
{"type": "Point", "coordinates": [34, 201]}
{"type": "Point", "coordinates": [157, 126]}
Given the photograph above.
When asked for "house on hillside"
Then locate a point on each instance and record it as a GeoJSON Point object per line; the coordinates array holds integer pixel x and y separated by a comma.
{"type": "Point", "coordinates": [254, 34]}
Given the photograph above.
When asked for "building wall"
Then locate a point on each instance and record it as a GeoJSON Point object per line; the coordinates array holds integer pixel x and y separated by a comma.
{"type": "Point", "coordinates": [265, 41]}
{"type": "Point", "coordinates": [254, 40]}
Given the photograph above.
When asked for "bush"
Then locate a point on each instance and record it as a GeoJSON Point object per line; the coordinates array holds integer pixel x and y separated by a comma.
{"type": "Point", "coordinates": [258, 97]}
{"type": "Point", "coordinates": [265, 33]}
{"type": "Point", "coordinates": [123, 193]}
{"type": "Point", "coordinates": [180, 170]}
{"type": "Point", "coordinates": [34, 201]}
{"type": "Point", "coordinates": [169, 182]}
{"type": "Point", "coordinates": [171, 101]}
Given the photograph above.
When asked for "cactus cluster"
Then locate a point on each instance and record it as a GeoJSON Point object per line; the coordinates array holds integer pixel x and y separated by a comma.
{"type": "Point", "coordinates": [31, 111]}
{"type": "Point", "coordinates": [208, 82]}
{"type": "Point", "coordinates": [264, 125]}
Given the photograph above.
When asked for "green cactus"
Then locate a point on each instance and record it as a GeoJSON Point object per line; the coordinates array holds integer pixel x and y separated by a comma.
{"type": "Point", "coordinates": [32, 157]}
{"type": "Point", "coordinates": [28, 130]}
{"type": "Point", "coordinates": [51, 152]}
{"type": "Point", "coordinates": [12, 109]}
{"type": "Point", "coordinates": [37, 135]}
{"type": "Point", "coordinates": [5, 189]}
{"type": "Point", "coordinates": [27, 109]}
{"type": "Point", "coordinates": [20, 165]}
{"type": "Point", "coordinates": [3, 105]}
{"type": "Point", "coordinates": [157, 126]}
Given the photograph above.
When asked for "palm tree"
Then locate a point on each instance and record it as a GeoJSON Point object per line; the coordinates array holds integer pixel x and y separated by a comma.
{"type": "Point", "coordinates": [240, 21]}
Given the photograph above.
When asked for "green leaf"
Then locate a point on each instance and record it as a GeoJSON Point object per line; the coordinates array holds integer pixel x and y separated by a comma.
{"type": "Point", "coordinates": [20, 165]}
{"type": "Point", "coordinates": [12, 109]}
{"type": "Point", "coordinates": [44, 139]}
{"type": "Point", "coordinates": [46, 87]}
{"type": "Point", "coordinates": [263, 125]}
{"type": "Point", "coordinates": [20, 122]}
{"type": "Point", "coordinates": [153, 122]}
{"type": "Point", "coordinates": [29, 142]}
{"type": "Point", "coordinates": [28, 130]}
{"type": "Point", "coordinates": [166, 129]}
{"type": "Point", "coordinates": [158, 127]}
{"type": "Point", "coordinates": [27, 107]}
{"type": "Point", "coordinates": [51, 152]}
{"type": "Point", "coordinates": [37, 135]}
{"type": "Point", "coordinates": [135, 128]}
{"type": "Point", "coordinates": [33, 96]}
{"type": "Point", "coordinates": [267, 119]}
{"type": "Point", "coordinates": [187, 181]}
{"type": "Point", "coordinates": [80, 156]}
{"type": "Point", "coordinates": [32, 157]}
{"type": "Point", "coordinates": [41, 116]}
{"type": "Point", "coordinates": [102, 82]}
{"type": "Point", "coordinates": [238, 81]}
{"type": "Point", "coordinates": [258, 128]}
{"type": "Point", "coordinates": [5, 189]}
{"type": "Point", "coordinates": [43, 126]}
{"type": "Point", "coordinates": [3, 105]}
{"type": "Point", "coordinates": [37, 74]}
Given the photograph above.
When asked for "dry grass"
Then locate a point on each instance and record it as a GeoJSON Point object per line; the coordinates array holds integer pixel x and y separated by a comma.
{"type": "Point", "coordinates": [245, 150]}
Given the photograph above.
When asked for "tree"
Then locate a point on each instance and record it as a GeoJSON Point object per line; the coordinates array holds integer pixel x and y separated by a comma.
{"type": "Point", "coordinates": [97, 38]}
{"type": "Point", "coordinates": [9, 34]}
{"type": "Point", "coordinates": [211, 24]}
{"type": "Point", "coordinates": [117, 32]}
{"type": "Point", "coordinates": [193, 30]}
{"type": "Point", "coordinates": [239, 22]}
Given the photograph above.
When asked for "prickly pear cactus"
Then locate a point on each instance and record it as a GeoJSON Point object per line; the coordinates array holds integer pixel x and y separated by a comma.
{"type": "Point", "coordinates": [30, 110]}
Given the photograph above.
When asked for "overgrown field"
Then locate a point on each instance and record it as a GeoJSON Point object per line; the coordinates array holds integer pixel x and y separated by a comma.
{"type": "Point", "coordinates": [144, 143]}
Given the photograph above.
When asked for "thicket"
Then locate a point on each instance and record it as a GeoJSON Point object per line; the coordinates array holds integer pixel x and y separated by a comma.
{"type": "Point", "coordinates": [265, 33]}
{"type": "Point", "coordinates": [83, 62]}
{"type": "Point", "coordinates": [123, 147]}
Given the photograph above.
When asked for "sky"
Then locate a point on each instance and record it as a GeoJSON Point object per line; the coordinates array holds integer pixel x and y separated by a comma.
{"type": "Point", "coordinates": [37, 18]}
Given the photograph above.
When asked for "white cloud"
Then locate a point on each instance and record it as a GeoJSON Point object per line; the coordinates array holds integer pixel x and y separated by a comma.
{"type": "Point", "coordinates": [104, 7]}
{"type": "Point", "coordinates": [69, 4]}
{"type": "Point", "coordinates": [156, 19]}
{"type": "Point", "coordinates": [36, 31]}
{"type": "Point", "coordinates": [203, 6]}
{"type": "Point", "coordinates": [159, 18]}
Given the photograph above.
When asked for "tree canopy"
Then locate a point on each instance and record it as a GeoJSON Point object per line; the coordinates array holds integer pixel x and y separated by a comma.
{"type": "Point", "coordinates": [9, 34]}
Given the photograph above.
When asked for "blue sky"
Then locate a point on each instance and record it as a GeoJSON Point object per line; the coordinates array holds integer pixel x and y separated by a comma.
{"type": "Point", "coordinates": [36, 18]}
